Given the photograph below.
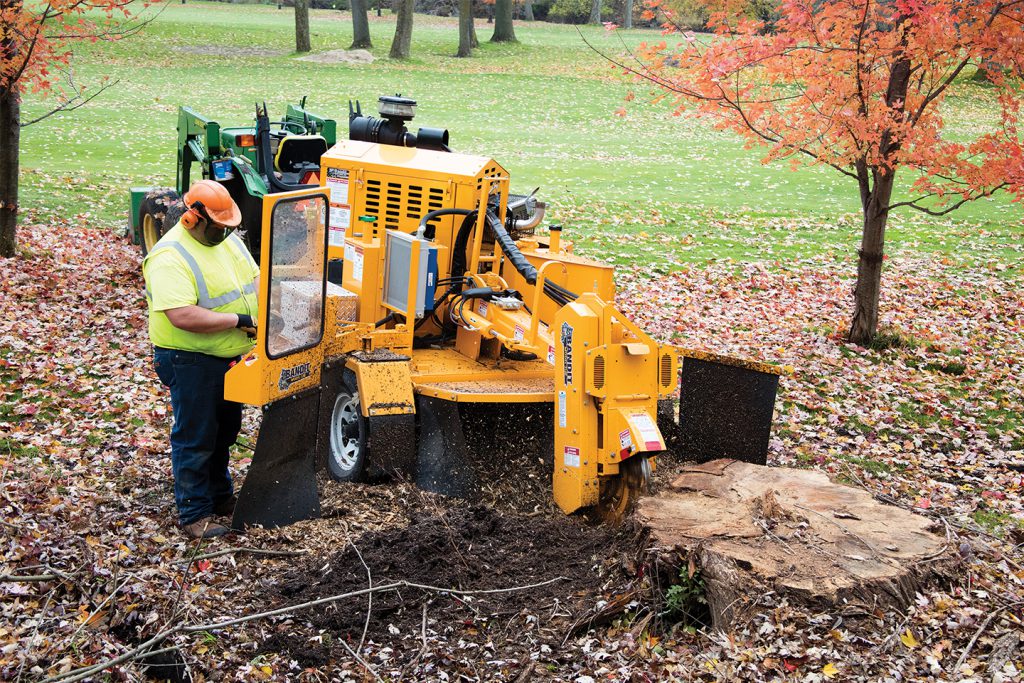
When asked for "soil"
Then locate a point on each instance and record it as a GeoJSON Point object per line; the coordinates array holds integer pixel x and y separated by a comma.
{"type": "Point", "coordinates": [470, 548]}
{"type": "Point", "coordinates": [340, 57]}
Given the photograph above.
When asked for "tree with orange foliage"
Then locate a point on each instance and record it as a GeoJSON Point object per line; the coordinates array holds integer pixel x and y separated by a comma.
{"type": "Point", "coordinates": [35, 55]}
{"type": "Point", "coordinates": [857, 85]}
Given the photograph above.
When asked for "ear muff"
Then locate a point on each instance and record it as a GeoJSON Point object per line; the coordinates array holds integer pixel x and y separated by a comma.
{"type": "Point", "coordinates": [193, 215]}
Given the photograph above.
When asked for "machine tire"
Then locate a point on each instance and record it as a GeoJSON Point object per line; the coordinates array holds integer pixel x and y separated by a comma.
{"type": "Point", "coordinates": [348, 434]}
{"type": "Point", "coordinates": [158, 213]}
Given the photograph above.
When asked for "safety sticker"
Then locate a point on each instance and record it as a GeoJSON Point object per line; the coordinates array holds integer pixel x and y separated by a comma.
{"type": "Point", "coordinates": [561, 409]}
{"type": "Point", "coordinates": [337, 184]}
{"type": "Point", "coordinates": [648, 431]}
{"type": "Point", "coordinates": [625, 443]}
{"type": "Point", "coordinates": [250, 359]}
{"type": "Point", "coordinates": [551, 354]}
{"type": "Point", "coordinates": [340, 218]}
{"type": "Point", "coordinates": [482, 308]}
{"type": "Point", "coordinates": [519, 334]}
{"type": "Point", "coordinates": [354, 256]}
{"type": "Point", "coordinates": [571, 456]}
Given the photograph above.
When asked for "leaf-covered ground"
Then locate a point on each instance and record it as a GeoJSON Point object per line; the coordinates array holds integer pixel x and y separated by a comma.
{"type": "Point", "coordinates": [931, 420]}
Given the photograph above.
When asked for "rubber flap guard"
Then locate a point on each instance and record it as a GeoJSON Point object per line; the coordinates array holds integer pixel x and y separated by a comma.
{"type": "Point", "coordinates": [280, 487]}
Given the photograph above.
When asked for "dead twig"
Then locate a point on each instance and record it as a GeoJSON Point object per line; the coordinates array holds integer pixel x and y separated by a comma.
{"type": "Point", "coordinates": [361, 661]}
{"type": "Point", "coordinates": [250, 551]}
{"type": "Point", "coordinates": [977, 634]}
{"type": "Point", "coordinates": [86, 672]}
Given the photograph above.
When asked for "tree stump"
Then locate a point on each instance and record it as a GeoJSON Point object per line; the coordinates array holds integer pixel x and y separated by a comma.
{"type": "Point", "coordinates": [759, 534]}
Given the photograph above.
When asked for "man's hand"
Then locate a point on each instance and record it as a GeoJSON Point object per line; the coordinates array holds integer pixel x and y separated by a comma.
{"type": "Point", "coordinates": [246, 324]}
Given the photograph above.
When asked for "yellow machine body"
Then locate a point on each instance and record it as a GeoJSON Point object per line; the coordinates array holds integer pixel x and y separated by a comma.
{"type": "Point", "coordinates": [599, 373]}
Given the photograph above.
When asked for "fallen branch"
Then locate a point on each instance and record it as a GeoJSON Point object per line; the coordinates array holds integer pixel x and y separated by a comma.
{"type": "Point", "coordinates": [27, 578]}
{"type": "Point", "coordinates": [250, 551]}
{"type": "Point", "coordinates": [85, 672]}
{"type": "Point", "coordinates": [977, 634]}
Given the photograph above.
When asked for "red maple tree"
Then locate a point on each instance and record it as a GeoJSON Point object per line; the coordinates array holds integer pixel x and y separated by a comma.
{"type": "Point", "coordinates": [857, 85]}
{"type": "Point", "coordinates": [35, 55]}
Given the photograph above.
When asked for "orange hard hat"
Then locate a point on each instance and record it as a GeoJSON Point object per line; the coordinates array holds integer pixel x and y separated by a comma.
{"type": "Point", "coordinates": [211, 200]}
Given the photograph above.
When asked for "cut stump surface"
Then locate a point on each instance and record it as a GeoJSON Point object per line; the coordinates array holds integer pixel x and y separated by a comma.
{"type": "Point", "coordinates": [761, 534]}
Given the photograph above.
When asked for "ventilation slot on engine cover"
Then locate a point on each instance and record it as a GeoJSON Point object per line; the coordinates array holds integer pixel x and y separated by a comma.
{"type": "Point", "coordinates": [666, 371]}
{"type": "Point", "coordinates": [598, 372]}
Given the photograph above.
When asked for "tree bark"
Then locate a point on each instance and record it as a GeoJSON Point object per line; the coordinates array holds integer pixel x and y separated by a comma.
{"type": "Point", "coordinates": [302, 25]}
{"type": "Point", "coordinates": [528, 10]}
{"type": "Point", "coordinates": [465, 28]}
{"type": "Point", "coordinates": [403, 30]}
{"type": "Point", "coordinates": [875, 203]}
{"type": "Point", "coordinates": [627, 14]}
{"type": "Point", "coordinates": [360, 26]}
{"type": "Point", "coordinates": [10, 140]}
{"type": "Point", "coordinates": [595, 12]}
{"type": "Point", "coordinates": [869, 266]}
{"type": "Point", "coordinates": [10, 137]}
{"type": "Point", "coordinates": [504, 32]}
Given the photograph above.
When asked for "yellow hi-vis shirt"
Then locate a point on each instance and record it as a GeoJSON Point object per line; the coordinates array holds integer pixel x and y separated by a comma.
{"type": "Point", "coordinates": [179, 271]}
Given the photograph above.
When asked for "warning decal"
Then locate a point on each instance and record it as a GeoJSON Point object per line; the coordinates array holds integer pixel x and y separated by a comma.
{"type": "Point", "coordinates": [571, 456]}
{"type": "Point", "coordinates": [649, 432]}
{"type": "Point", "coordinates": [337, 185]}
{"type": "Point", "coordinates": [625, 443]}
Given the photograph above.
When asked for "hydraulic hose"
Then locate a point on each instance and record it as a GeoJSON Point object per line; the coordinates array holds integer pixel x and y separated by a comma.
{"type": "Point", "coordinates": [427, 231]}
{"type": "Point", "coordinates": [555, 292]}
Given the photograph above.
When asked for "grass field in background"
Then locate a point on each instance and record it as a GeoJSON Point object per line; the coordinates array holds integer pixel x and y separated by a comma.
{"type": "Point", "coordinates": [647, 186]}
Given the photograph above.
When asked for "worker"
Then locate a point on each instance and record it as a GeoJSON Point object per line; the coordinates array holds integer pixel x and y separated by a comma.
{"type": "Point", "coordinates": [201, 285]}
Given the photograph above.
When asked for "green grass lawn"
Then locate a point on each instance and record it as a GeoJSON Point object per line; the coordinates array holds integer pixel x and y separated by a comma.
{"type": "Point", "coordinates": [647, 186]}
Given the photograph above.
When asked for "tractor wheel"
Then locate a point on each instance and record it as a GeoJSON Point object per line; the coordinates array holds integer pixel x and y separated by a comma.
{"type": "Point", "coordinates": [347, 451]}
{"type": "Point", "coordinates": [158, 213]}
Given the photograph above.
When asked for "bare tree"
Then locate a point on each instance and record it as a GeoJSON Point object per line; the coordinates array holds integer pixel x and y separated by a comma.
{"type": "Point", "coordinates": [403, 30]}
{"type": "Point", "coordinates": [360, 26]}
{"type": "Point", "coordinates": [465, 29]}
{"type": "Point", "coordinates": [504, 32]}
{"type": "Point", "coordinates": [595, 12]}
{"type": "Point", "coordinates": [302, 25]}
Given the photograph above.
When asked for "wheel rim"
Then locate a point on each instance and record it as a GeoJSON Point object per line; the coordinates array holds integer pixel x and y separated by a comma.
{"type": "Point", "coordinates": [150, 234]}
{"type": "Point", "coordinates": [346, 433]}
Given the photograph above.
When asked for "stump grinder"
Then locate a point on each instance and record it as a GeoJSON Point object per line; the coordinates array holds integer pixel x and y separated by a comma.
{"type": "Point", "coordinates": [403, 284]}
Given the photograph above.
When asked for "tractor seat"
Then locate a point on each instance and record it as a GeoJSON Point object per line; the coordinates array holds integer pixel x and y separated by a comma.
{"type": "Point", "coordinates": [299, 154]}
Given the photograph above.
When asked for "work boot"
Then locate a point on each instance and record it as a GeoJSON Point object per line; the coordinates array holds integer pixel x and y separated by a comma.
{"type": "Point", "coordinates": [204, 528]}
{"type": "Point", "coordinates": [226, 508]}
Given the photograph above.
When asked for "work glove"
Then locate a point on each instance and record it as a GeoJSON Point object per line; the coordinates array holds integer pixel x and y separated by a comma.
{"type": "Point", "coordinates": [246, 324]}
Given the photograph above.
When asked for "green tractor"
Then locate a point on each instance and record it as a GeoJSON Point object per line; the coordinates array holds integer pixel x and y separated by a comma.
{"type": "Point", "coordinates": [252, 161]}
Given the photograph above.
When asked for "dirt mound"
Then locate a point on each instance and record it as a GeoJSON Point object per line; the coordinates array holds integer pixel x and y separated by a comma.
{"type": "Point", "coordinates": [339, 57]}
{"type": "Point", "coordinates": [471, 549]}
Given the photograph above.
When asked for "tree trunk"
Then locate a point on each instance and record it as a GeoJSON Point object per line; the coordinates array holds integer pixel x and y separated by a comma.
{"type": "Point", "coordinates": [627, 14]}
{"type": "Point", "coordinates": [474, 42]}
{"type": "Point", "coordinates": [595, 12]}
{"type": "Point", "coordinates": [869, 267]}
{"type": "Point", "coordinates": [528, 10]}
{"type": "Point", "coordinates": [503, 30]}
{"type": "Point", "coordinates": [360, 26]}
{"type": "Point", "coordinates": [10, 139]}
{"type": "Point", "coordinates": [10, 135]}
{"type": "Point", "coordinates": [465, 28]}
{"type": "Point", "coordinates": [302, 25]}
{"type": "Point", "coordinates": [403, 30]}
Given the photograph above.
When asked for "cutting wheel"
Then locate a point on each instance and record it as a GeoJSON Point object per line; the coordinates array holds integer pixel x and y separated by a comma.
{"type": "Point", "coordinates": [618, 494]}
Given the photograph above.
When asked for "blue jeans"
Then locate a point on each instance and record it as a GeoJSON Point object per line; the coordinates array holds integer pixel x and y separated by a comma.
{"type": "Point", "coordinates": [205, 427]}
